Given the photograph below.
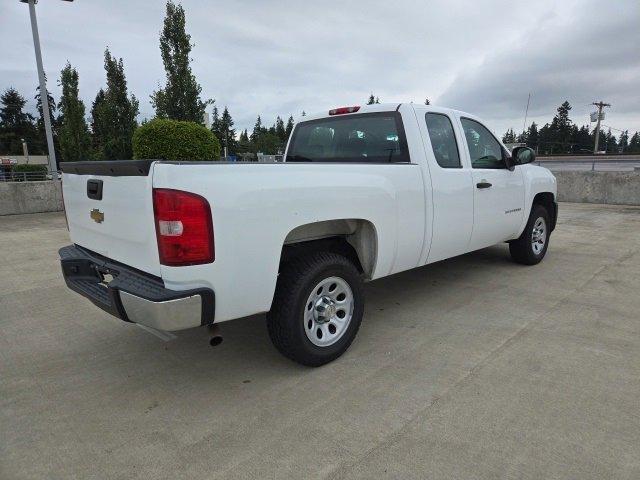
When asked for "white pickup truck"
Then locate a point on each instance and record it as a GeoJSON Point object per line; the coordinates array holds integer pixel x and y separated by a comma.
{"type": "Point", "coordinates": [363, 192]}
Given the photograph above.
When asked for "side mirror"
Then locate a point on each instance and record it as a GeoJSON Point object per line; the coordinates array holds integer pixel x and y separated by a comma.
{"type": "Point", "coordinates": [522, 155]}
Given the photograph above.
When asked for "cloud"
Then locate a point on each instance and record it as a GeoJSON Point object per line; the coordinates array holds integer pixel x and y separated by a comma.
{"type": "Point", "coordinates": [273, 58]}
{"type": "Point", "coordinates": [589, 55]}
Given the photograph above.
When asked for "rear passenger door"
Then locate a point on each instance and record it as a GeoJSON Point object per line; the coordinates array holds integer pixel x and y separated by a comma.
{"type": "Point", "coordinates": [451, 182]}
{"type": "Point", "coordinates": [498, 191]}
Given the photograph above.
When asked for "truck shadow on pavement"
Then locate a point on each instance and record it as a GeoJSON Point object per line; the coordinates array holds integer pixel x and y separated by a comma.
{"type": "Point", "coordinates": [420, 296]}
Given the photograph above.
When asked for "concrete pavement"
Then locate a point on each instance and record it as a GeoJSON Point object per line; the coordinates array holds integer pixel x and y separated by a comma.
{"type": "Point", "coordinates": [471, 368]}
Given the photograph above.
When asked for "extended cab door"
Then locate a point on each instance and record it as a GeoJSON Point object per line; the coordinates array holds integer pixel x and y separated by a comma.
{"type": "Point", "coordinates": [451, 184]}
{"type": "Point", "coordinates": [498, 191]}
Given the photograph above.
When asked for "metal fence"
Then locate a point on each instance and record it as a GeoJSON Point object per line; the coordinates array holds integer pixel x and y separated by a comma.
{"type": "Point", "coordinates": [591, 164]}
{"type": "Point", "coordinates": [29, 176]}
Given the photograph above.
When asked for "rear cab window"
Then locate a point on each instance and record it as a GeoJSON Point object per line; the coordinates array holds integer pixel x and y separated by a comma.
{"type": "Point", "coordinates": [443, 140]}
{"type": "Point", "coordinates": [355, 138]}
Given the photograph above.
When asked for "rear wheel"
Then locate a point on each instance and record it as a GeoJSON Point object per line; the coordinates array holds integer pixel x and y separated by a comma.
{"type": "Point", "coordinates": [532, 245]}
{"type": "Point", "coordinates": [317, 308]}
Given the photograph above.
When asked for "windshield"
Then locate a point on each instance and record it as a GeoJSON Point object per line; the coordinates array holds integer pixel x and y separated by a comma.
{"type": "Point", "coordinates": [368, 137]}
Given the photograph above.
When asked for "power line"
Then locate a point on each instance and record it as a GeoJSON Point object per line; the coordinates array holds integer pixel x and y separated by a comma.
{"type": "Point", "coordinates": [613, 128]}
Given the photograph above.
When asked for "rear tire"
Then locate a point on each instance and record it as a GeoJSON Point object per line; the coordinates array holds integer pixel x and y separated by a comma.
{"type": "Point", "coordinates": [317, 308]}
{"type": "Point", "coordinates": [532, 245]}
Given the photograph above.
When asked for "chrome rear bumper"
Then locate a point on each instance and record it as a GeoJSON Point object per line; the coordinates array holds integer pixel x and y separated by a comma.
{"type": "Point", "coordinates": [134, 296]}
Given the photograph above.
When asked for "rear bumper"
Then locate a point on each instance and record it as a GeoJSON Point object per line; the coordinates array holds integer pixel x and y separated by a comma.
{"type": "Point", "coordinates": [134, 296]}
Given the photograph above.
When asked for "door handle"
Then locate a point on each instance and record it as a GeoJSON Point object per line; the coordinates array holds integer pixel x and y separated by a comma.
{"type": "Point", "coordinates": [483, 184]}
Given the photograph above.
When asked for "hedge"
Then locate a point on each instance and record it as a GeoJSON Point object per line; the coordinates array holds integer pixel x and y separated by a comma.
{"type": "Point", "coordinates": [174, 140]}
{"type": "Point", "coordinates": [29, 167]}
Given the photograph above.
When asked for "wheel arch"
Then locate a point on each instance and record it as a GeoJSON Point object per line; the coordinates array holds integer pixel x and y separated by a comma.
{"type": "Point", "coordinates": [548, 201]}
{"type": "Point", "coordinates": [354, 238]}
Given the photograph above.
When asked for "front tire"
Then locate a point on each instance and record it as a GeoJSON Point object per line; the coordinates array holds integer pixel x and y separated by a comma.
{"type": "Point", "coordinates": [532, 245]}
{"type": "Point", "coordinates": [317, 308]}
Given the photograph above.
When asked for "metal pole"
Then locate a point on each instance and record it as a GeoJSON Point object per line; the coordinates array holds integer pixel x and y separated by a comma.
{"type": "Point", "coordinates": [43, 88]}
{"type": "Point", "coordinates": [600, 106]}
{"type": "Point", "coordinates": [526, 113]}
{"type": "Point", "coordinates": [595, 148]}
{"type": "Point", "coordinates": [25, 149]}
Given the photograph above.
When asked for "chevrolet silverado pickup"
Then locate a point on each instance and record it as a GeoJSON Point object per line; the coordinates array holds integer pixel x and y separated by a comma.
{"type": "Point", "coordinates": [363, 192]}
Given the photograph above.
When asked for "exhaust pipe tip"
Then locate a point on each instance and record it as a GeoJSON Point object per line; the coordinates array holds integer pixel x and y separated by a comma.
{"type": "Point", "coordinates": [216, 338]}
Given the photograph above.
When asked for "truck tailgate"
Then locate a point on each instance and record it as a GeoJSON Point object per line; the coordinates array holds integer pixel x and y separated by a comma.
{"type": "Point", "coordinates": [109, 209]}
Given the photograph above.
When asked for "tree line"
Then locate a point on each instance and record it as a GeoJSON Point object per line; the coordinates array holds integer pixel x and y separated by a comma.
{"type": "Point", "coordinates": [114, 111]}
{"type": "Point", "coordinates": [564, 136]}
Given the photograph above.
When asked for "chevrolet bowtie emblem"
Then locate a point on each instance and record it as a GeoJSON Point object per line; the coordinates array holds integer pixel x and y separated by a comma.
{"type": "Point", "coordinates": [96, 215]}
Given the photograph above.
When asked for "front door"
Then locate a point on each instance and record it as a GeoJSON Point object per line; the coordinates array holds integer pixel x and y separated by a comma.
{"type": "Point", "coordinates": [498, 191]}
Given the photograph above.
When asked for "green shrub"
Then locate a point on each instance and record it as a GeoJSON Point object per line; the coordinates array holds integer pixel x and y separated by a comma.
{"type": "Point", "coordinates": [29, 167]}
{"type": "Point", "coordinates": [174, 140]}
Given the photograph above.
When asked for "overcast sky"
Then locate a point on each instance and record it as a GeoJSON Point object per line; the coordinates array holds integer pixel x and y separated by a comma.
{"type": "Point", "coordinates": [281, 57]}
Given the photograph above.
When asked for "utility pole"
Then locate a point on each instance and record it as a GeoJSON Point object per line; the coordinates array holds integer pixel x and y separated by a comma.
{"type": "Point", "coordinates": [600, 106]}
{"type": "Point", "coordinates": [43, 84]}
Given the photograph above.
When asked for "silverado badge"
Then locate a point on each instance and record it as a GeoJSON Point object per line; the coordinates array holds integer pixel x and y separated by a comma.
{"type": "Point", "coordinates": [97, 215]}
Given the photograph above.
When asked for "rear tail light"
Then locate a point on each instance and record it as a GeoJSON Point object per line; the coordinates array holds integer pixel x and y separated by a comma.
{"type": "Point", "coordinates": [184, 228]}
{"type": "Point", "coordinates": [343, 110]}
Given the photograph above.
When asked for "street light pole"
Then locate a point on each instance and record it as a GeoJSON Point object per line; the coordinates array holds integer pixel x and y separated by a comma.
{"type": "Point", "coordinates": [43, 87]}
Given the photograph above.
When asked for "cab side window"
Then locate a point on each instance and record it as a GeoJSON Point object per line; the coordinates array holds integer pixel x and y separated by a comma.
{"type": "Point", "coordinates": [443, 140]}
{"type": "Point", "coordinates": [484, 149]}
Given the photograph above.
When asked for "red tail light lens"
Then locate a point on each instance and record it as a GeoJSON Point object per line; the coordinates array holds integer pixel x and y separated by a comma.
{"type": "Point", "coordinates": [184, 228]}
{"type": "Point", "coordinates": [343, 110]}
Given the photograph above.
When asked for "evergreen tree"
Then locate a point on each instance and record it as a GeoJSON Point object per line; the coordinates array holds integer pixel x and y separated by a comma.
{"type": "Point", "coordinates": [623, 142]}
{"type": "Point", "coordinates": [15, 124]}
{"type": "Point", "coordinates": [289, 127]}
{"type": "Point", "coordinates": [52, 105]}
{"type": "Point", "coordinates": [216, 125]}
{"type": "Point", "coordinates": [560, 128]}
{"type": "Point", "coordinates": [304, 114]}
{"type": "Point", "coordinates": [257, 129]}
{"type": "Point", "coordinates": [509, 137]}
{"type": "Point", "coordinates": [427, 101]}
{"type": "Point", "coordinates": [180, 98]}
{"type": "Point", "coordinates": [581, 139]}
{"type": "Point", "coordinates": [634, 143]}
{"type": "Point", "coordinates": [11, 112]}
{"type": "Point", "coordinates": [41, 146]}
{"type": "Point", "coordinates": [75, 140]}
{"type": "Point", "coordinates": [611, 144]}
{"type": "Point", "coordinates": [228, 133]}
{"type": "Point", "coordinates": [533, 137]}
{"type": "Point", "coordinates": [118, 112]}
{"type": "Point", "coordinates": [268, 143]}
{"type": "Point", "coordinates": [98, 127]}
{"type": "Point", "coordinates": [371, 100]}
{"type": "Point", "coordinates": [244, 148]}
{"type": "Point", "coordinates": [281, 130]}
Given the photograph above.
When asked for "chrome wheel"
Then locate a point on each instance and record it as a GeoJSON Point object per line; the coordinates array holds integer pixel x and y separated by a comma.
{"type": "Point", "coordinates": [539, 235]}
{"type": "Point", "coordinates": [328, 311]}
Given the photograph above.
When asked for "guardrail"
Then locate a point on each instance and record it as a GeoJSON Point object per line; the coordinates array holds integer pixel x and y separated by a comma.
{"type": "Point", "coordinates": [29, 176]}
{"type": "Point", "coordinates": [593, 164]}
